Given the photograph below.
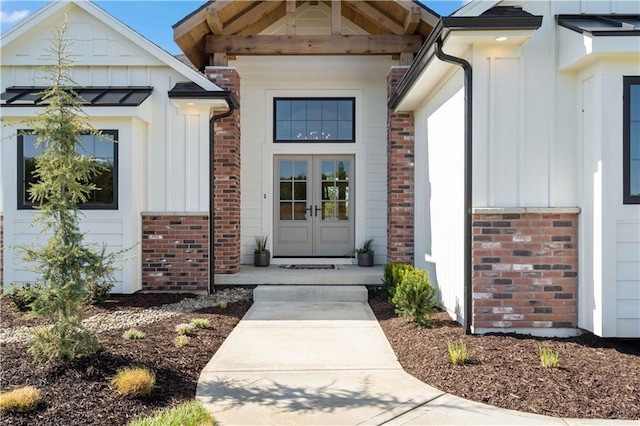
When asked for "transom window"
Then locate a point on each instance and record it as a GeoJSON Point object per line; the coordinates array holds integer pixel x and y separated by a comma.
{"type": "Point", "coordinates": [104, 148]}
{"type": "Point", "coordinates": [631, 149]}
{"type": "Point", "coordinates": [314, 120]}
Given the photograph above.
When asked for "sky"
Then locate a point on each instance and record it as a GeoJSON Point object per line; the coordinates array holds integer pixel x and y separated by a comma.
{"type": "Point", "coordinates": [152, 18]}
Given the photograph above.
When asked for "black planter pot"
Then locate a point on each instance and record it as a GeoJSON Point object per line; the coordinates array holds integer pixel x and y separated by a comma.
{"type": "Point", "coordinates": [365, 259]}
{"type": "Point", "coordinates": [262, 258]}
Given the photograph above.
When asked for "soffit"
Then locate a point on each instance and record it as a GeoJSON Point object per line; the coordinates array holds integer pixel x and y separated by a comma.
{"type": "Point", "coordinates": [236, 18]}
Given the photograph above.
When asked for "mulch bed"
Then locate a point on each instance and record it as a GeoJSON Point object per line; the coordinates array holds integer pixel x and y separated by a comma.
{"type": "Point", "coordinates": [597, 378]}
{"type": "Point", "coordinates": [79, 393]}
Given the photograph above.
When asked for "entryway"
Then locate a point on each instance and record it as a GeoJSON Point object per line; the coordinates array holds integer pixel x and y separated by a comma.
{"type": "Point", "coordinates": [314, 203]}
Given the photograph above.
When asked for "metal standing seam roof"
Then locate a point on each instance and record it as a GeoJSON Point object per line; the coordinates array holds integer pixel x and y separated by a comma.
{"type": "Point", "coordinates": [602, 25]}
{"type": "Point", "coordinates": [90, 96]}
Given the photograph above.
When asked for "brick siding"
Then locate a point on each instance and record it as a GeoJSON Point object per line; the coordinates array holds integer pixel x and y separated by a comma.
{"type": "Point", "coordinates": [226, 170]}
{"type": "Point", "coordinates": [525, 270]}
{"type": "Point", "coordinates": [175, 252]}
{"type": "Point", "coordinates": [400, 178]}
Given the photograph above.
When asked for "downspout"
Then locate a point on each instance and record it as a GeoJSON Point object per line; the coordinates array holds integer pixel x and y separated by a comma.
{"type": "Point", "coordinates": [468, 180]}
{"type": "Point", "coordinates": [212, 121]}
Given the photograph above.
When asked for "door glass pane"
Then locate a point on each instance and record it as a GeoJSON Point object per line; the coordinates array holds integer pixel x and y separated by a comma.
{"type": "Point", "coordinates": [300, 170]}
{"type": "Point", "coordinates": [342, 170]}
{"type": "Point", "coordinates": [286, 190]}
{"type": "Point", "coordinates": [328, 168]}
{"type": "Point", "coordinates": [285, 170]}
{"type": "Point", "coordinates": [329, 210]}
{"type": "Point", "coordinates": [343, 190]}
{"type": "Point", "coordinates": [299, 211]}
{"type": "Point", "coordinates": [300, 191]}
{"type": "Point", "coordinates": [343, 211]}
{"type": "Point", "coordinates": [285, 211]}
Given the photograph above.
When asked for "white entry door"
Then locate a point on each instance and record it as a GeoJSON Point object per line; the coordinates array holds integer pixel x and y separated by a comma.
{"type": "Point", "coordinates": [314, 202]}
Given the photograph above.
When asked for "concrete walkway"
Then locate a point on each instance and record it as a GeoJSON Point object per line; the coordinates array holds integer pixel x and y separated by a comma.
{"type": "Point", "coordinates": [326, 361]}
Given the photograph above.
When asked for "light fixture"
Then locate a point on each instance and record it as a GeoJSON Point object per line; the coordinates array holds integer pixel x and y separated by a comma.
{"type": "Point", "coordinates": [190, 103]}
{"type": "Point", "coordinates": [501, 38]}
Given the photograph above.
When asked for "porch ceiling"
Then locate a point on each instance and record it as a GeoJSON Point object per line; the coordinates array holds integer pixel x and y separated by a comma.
{"type": "Point", "coordinates": [226, 28]}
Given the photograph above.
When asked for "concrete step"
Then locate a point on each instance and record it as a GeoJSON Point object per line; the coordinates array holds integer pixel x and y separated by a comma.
{"type": "Point", "coordinates": [310, 293]}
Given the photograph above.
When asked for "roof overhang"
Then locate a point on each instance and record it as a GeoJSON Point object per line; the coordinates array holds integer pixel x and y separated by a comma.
{"type": "Point", "coordinates": [458, 35]}
{"type": "Point", "coordinates": [584, 39]}
{"type": "Point", "coordinates": [89, 96]}
{"type": "Point", "coordinates": [189, 94]}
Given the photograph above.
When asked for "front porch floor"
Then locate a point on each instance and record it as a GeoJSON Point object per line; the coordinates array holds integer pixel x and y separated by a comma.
{"type": "Point", "coordinates": [275, 275]}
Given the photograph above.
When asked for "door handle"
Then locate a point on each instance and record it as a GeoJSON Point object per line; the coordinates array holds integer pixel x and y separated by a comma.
{"type": "Point", "coordinates": [316, 211]}
{"type": "Point", "coordinates": [310, 210]}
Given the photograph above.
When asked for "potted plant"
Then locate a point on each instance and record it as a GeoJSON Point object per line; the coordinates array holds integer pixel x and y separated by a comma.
{"type": "Point", "coordinates": [261, 256]}
{"type": "Point", "coordinates": [365, 254]}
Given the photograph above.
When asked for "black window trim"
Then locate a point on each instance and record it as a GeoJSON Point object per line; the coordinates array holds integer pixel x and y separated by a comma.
{"type": "Point", "coordinates": [20, 184]}
{"type": "Point", "coordinates": [628, 81]}
{"type": "Point", "coordinates": [318, 98]}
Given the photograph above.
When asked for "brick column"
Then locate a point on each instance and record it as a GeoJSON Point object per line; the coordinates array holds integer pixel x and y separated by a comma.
{"type": "Point", "coordinates": [400, 178]}
{"type": "Point", "coordinates": [226, 180]}
{"type": "Point", "coordinates": [525, 270]}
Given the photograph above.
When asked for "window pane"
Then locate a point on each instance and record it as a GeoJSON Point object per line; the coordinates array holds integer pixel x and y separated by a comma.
{"type": "Point", "coordinates": [635, 140]}
{"type": "Point", "coordinates": [345, 130]}
{"type": "Point", "coordinates": [314, 110]}
{"type": "Point", "coordinates": [283, 130]}
{"type": "Point", "coordinates": [283, 110]}
{"type": "Point", "coordinates": [103, 148]}
{"type": "Point", "coordinates": [298, 110]}
{"type": "Point", "coordinates": [330, 110]}
{"type": "Point", "coordinates": [343, 190]}
{"type": "Point", "coordinates": [286, 170]}
{"type": "Point", "coordinates": [328, 168]}
{"type": "Point", "coordinates": [299, 130]}
{"type": "Point", "coordinates": [635, 177]}
{"type": "Point", "coordinates": [329, 210]}
{"type": "Point", "coordinates": [342, 170]}
{"type": "Point", "coordinates": [314, 130]}
{"type": "Point", "coordinates": [285, 211]}
{"type": "Point", "coordinates": [300, 172]}
{"type": "Point", "coordinates": [300, 191]}
{"type": "Point", "coordinates": [85, 145]}
{"type": "Point", "coordinates": [29, 146]}
{"type": "Point", "coordinates": [286, 190]}
{"type": "Point", "coordinates": [634, 97]}
{"type": "Point", "coordinates": [343, 211]}
{"type": "Point", "coordinates": [299, 211]}
{"type": "Point", "coordinates": [345, 110]}
{"type": "Point", "coordinates": [329, 129]}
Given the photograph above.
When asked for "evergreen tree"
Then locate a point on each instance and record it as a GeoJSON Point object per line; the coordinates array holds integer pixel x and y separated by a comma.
{"type": "Point", "coordinates": [68, 268]}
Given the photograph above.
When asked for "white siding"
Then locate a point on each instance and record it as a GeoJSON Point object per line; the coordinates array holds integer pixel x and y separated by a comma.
{"type": "Point", "coordinates": [262, 79]}
{"type": "Point", "coordinates": [439, 193]}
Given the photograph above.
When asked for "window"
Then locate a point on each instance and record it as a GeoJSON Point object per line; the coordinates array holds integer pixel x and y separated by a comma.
{"type": "Point", "coordinates": [105, 199]}
{"type": "Point", "coordinates": [631, 149]}
{"type": "Point", "coordinates": [314, 120]}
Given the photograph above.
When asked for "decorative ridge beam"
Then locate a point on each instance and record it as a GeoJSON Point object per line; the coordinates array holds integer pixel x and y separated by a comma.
{"type": "Point", "coordinates": [250, 16]}
{"type": "Point", "coordinates": [313, 45]}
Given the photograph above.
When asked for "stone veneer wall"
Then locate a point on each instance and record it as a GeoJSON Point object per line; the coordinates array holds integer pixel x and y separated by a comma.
{"type": "Point", "coordinates": [175, 252]}
{"type": "Point", "coordinates": [525, 268]}
{"type": "Point", "coordinates": [400, 178]}
{"type": "Point", "coordinates": [226, 170]}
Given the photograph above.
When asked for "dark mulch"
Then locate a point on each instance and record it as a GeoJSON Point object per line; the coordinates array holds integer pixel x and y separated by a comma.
{"type": "Point", "coordinates": [79, 393]}
{"type": "Point", "coordinates": [597, 378]}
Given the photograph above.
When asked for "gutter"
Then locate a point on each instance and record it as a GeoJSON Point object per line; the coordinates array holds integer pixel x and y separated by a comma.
{"type": "Point", "coordinates": [468, 176]}
{"type": "Point", "coordinates": [233, 104]}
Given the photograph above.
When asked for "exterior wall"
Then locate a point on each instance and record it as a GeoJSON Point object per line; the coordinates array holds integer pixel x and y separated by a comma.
{"type": "Point", "coordinates": [610, 230]}
{"type": "Point", "coordinates": [439, 195]}
{"type": "Point", "coordinates": [525, 271]}
{"type": "Point", "coordinates": [226, 179]}
{"type": "Point", "coordinates": [400, 178]}
{"type": "Point", "coordinates": [175, 252]}
{"type": "Point", "coordinates": [264, 78]}
{"type": "Point", "coordinates": [1, 253]}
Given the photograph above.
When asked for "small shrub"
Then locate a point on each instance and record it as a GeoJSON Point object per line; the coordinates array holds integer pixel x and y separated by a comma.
{"type": "Point", "coordinates": [181, 341]}
{"type": "Point", "coordinates": [97, 292]}
{"type": "Point", "coordinates": [23, 296]}
{"type": "Point", "coordinates": [223, 305]}
{"type": "Point", "coordinates": [134, 334]}
{"type": "Point", "coordinates": [134, 381]}
{"type": "Point", "coordinates": [458, 353]}
{"type": "Point", "coordinates": [414, 296]}
{"type": "Point", "coordinates": [63, 341]}
{"type": "Point", "coordinates": [184, 329]}
{"type": "Point", "coordinates": [190, 413]}
{"type": "Point", "coordinates": [20, 400]}
{"type": "Point", "coordinates": [392, 275]}
{"type": "Point", "coordinates": [200, 323]}
{"type": "Point", "coordinates": [549, 358]}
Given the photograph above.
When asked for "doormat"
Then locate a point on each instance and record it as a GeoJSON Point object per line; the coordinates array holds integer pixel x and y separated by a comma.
{"type": "Point", "coordinates": [309, 266]}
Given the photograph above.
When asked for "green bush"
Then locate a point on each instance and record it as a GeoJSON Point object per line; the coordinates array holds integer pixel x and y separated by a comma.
{"type": "Point", "coordinates": [24, 296]}
{"type": "Point", "coordinates": [97, 292]}
{"type": "Point", "coordinates": [190, 413]}
{"type": "Point", "coordinates": [392, 275]}
{"type": "Point", "coordinates": [414, 296]}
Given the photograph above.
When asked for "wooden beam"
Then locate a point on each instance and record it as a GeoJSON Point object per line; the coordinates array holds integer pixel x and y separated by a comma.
{"type": "Point", "coordinates": [313, 3]}
{"type": "Point", "coordinates": [376, 16]}
{"type": "Point", "coordinates": [406, 58]}
{"type": "Point", "coordinates": [313, 45]}
{"type": "Point", "coordinates": [291, 17]}
{"type": "Point", "coordinates": [219, 60]}
{"type": "Point", "coordinates": [250, 16]}
{"type": "Point", "coordinates": [214, 21]}
{"type": "Point", "coordinates": [412, 20]}
{"type": "Point", "coordinates": [336, 17]}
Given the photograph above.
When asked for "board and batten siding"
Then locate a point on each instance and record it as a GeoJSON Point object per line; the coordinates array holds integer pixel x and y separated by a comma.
{"type": "Point", "coordinates": [262, 79]}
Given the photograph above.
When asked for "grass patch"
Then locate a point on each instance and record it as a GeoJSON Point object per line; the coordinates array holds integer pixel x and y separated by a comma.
{"type": "Point", "coordinates": [20, 400]}
{"type": "Point", "coordinates": [458, 353]}
{"type": "Point", "coordinates": [181, 341]}
{"type": "Point", "coordinates": [134, 334]}
{"type": "Point", "coordinates": [184, 329]}
{"type": "Point", "coordinates": [190, 413]}
{"type": "Point", "coordinates": [549, 358]}
{"type": "Point", "coordinates": [200, 323]}
{"type": "Point", "coordinates": [134, 381]}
